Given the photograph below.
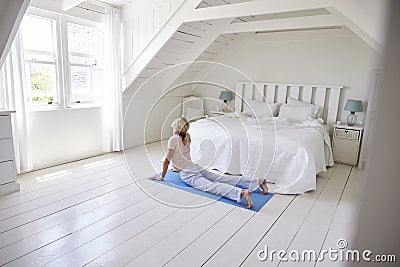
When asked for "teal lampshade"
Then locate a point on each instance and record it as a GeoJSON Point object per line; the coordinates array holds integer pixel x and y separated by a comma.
{"type": "Point", "coordinates": [354, 105]}
{"type": "Point", "coordinates": [226, 95]}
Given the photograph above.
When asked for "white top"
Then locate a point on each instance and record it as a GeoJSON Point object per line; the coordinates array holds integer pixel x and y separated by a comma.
{"type": "Point", "coordinates": [181, 157]}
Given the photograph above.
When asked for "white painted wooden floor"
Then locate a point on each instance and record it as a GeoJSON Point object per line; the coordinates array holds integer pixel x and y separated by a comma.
{"type": "Point", "coordinates": [91, 213]}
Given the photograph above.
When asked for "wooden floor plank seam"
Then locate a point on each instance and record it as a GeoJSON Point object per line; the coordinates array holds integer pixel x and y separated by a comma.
{"type": "Point", "coordinates": [333, 217]}
{"type": "Point", "coordinates": [61, 189]}
{"type": "Point", "coordinates": [24, 191]}
{"type": "Point", "coordinates": [194, 240]}
{"type": "Point", "coordinates": [150, 226]}
{"type": "Point", "coordinates": [106, 203]}
{"type": "Point", "coordinates": [171, 233]}
{"type": "Point", "coordinates": [297, 232]}
{"type": "Point", "coordinates": [308, 212]}
{"type": "Point", "coordinates": [34, 250]}
{"type": "Point", "coordinates": [157, 206]}
{"type": "Point", "coordinates": [277, 219]}
{"type": "Point", "coordinates": [266, 232]}
{"type": "Point", "coordinates": [65, 208]}
{"type": "Point", "coordinates": [229, 238]}
{"type": "Point", "coordinates": [30, 209]}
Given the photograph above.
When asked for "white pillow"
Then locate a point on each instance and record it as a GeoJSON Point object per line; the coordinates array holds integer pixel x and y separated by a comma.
{"type": "Point", "coordinates": [316, 110]}
{"type": "Point", "coordinates": [296, 113]}
{"type": "Point", "coordinates": [259, 109]}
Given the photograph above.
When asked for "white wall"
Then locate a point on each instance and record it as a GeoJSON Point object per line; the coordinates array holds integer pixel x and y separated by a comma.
{"type": "Point", "coordinates": [64, 135]}
{"type": "Point", "coordinates": [150, 111]}
{"type": "Point", "coordinates": [331, 61]}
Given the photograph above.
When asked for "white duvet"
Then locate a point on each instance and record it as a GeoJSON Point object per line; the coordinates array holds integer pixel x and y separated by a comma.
{"type": "Point", "coordinates": [289, 154]}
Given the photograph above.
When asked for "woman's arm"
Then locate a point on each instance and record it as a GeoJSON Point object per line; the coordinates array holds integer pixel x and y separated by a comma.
{"type": "Point", "coordinates": [167, 159]}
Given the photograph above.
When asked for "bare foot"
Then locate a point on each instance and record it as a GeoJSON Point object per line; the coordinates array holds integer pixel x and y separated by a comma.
{"type": "Point", "coordinates": [263, 186]}
{"type": "Point", "coordinates": [247, 195]}
{"type": "Point", "coordinates": [157, 177]}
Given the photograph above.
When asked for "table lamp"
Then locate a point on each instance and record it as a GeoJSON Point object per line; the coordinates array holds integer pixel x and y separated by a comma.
{"type": "Point", "coordinates": [353, 106]}
{"type": "Point", "coordinates": [226, 96]}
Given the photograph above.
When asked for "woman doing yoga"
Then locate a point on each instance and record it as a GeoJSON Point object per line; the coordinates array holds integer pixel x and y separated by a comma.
{"type": "Point", "coordinates": [230, 186]}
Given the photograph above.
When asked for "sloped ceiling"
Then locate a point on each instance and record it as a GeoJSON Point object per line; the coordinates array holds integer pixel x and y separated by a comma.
{"type": "Point", "coordinates": [270, 17]}
{"type": "Point", "coordinates": [11, 14]}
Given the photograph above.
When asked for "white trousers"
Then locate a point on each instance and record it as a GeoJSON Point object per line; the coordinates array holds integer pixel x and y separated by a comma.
{"type": "Point", "coordinates": [229, 186]}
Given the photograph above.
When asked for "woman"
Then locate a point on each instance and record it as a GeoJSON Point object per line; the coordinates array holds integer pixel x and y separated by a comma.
{"type": "Point", "coordinates": [229, 186]}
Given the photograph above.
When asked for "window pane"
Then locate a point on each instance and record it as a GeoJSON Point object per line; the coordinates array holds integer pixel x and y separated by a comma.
{"type": "Point", "coordinates": [84, 39]}
{"type": "Point", "coordinates": [86, 83]}
{"type": "Point", "coordinates": [80, 80]}
{"type": "Point", "coordinates": [43, 82]}
{"type": "Point", "coordinates": [38, 33]}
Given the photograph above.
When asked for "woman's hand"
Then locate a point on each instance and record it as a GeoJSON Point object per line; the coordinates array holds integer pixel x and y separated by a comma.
{"type": "Point", "coordinates": [157, 177]}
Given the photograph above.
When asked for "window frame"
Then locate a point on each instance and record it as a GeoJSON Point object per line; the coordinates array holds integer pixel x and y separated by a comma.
{"type": "Point", "coordinates": [91, 24]}
{"type": "Point", "coordinates": [38, 52]}
{"type": "Point", "coordinates": [62, 62]}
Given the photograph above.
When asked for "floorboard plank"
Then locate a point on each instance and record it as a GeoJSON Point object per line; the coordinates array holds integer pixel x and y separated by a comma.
{"type": "Point", "coordinates": [26, 230]}
{"type": "Point", "coordinates": [76, 170]}
{"type": "Point", "coordinates": [103, 233]}
{"type": "Point", "coordinates": [58, 188]}
{"type": "Point", "coordinates": [146, 240]}
{"type": "Point", "coordinates": [27, 217]}
{"type": "Point", "coordinates": [170, 246]}
{"type": "Point", "coordinates": [34, 242]}
{"type": "Point", "coordinates": [342, 226]}
{"type": "Point", "coordinates": [123, 233]}
{"type": "Point", "coordinates": [286, 225]}
{"type": "Point", "coordinates": [315, 227]}
{"type": "Point", "coordinates": [201, 249]}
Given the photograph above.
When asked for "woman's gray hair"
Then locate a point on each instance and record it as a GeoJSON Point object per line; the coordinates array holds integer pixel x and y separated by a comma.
{"type": "Point", "coordinates": [181, 126]}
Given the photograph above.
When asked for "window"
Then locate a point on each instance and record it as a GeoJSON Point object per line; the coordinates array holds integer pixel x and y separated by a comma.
{"type": "Point", "coordinates": [38, 36]}
{"type": "Point", "coordinates": [85, 47]}
{"type": "Point", "coordinates": [64, 58]}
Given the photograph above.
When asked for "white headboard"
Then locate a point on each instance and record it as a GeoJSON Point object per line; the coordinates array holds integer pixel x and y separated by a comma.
{"type": "Point", "coordinates": [321, 95]}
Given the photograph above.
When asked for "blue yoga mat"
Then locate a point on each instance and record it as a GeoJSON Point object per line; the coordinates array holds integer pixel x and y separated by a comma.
{"type": "Point", "coordinates": [173, 179]}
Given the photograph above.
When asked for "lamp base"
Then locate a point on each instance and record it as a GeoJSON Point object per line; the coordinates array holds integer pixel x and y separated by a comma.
{"type": "Point", "coordinates": [351, 119]}
{"type": "Point", "coordinates": [225, 106]}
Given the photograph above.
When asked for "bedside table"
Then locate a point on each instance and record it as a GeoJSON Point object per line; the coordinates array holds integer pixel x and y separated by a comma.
{"type": "Point", "coordinates": [346, 143]}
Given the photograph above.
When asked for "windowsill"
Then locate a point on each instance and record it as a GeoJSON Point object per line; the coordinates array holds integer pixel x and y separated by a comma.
{"type": "Point", "coordinates": [56, 108]}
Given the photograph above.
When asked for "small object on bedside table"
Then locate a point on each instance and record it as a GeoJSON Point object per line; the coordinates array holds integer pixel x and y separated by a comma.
{"type": "Point", "coordinates": [346, 143]}
{"type": "Point", "coordinates": [226, 96]}
{"type": "Point", "coordinates": [353, 106]}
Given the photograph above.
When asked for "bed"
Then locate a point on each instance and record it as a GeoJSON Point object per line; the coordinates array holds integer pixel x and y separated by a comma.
{"type": "Point", "coordinates": [289, 153]}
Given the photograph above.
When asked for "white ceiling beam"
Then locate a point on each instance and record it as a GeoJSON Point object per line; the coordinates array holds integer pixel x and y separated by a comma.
{"type": "Point", "coordinates": [319, 21]}
{"type": "Point", "coordinates": [255, 8]}
{"type": "Point", "coordinates": [363, 25]}
{"type": "Point", "coordinates": [68, 4]}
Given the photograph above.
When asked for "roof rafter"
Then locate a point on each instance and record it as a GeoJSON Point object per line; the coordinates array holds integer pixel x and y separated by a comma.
{"type": "Point", "coordinates": [256, 8]}
{"type": "Point", "coordinates": [320, 21]}
{"type": "Point", "coordinates": [363, 25]}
